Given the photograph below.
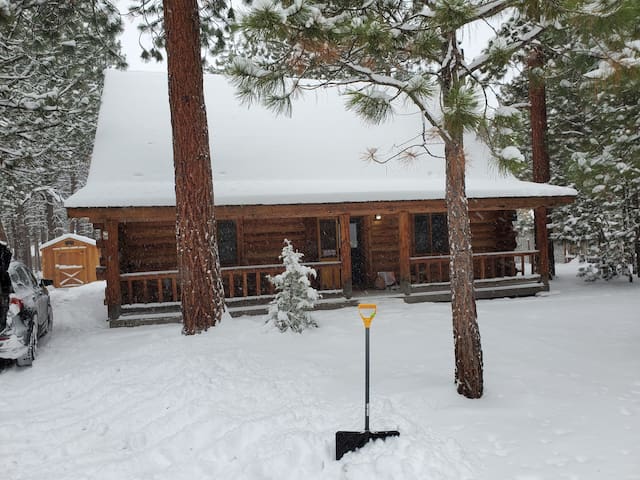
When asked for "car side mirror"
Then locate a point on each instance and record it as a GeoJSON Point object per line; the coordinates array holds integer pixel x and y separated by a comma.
{"type": "Point", "coordinates": [45, 282]}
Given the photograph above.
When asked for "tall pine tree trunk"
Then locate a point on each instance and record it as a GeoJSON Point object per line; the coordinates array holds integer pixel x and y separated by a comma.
{"type": "Point", "coordinates": [51, 228]}
{"type": "Point", "coordinates": [3, 234]}
{"type": "Point", "coordinates": [37, 241]}
{"type": "Point", "coordinates": [541, 170]}
{"type": "Point", "coordinates": [466, 333]}
{"type": "Point", "coordinates": [198, 264]}
{"type": "Point", "coordinates": [21, 240]}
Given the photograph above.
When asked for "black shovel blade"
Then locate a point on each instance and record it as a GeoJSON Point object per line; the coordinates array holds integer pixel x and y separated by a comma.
{"type": "Point", "coordinates": [350, 441]}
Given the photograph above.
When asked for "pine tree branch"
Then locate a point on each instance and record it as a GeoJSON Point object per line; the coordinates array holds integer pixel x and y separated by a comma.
{"type": "Point", "coordinates": [491, 9]}
{"type": "Point", "coordinates": [484, 60]}
{"type": "Point", "coordinates": [385, 80]}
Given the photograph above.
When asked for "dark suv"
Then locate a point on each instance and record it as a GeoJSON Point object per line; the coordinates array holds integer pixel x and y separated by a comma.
{"type": "Point", "coordinates": [27, 316]}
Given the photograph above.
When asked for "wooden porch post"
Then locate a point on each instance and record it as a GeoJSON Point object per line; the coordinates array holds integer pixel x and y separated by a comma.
{"type": "Point", "coordinates": [542, 243]}
{"type": "Point", "coordinates": [112, 293]}
{"type": "Point", "coordinates": [366, 247]}
{"type": "Point", "coordinates": [404, 233]}
{"type": "Point", "coordinates": [240, 253]}
{"type": "Point", "coordinates": [345, 255]}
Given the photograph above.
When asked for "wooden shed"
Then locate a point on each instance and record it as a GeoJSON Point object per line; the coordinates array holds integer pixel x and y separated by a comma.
{"type": "Point", "coordinates": [302, 178]}
{"type": "Point", "coordinates": [70, 260]}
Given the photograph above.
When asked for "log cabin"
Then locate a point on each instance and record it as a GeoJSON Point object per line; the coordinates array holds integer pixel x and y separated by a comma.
{"type": "Point", "coordinates": [308, 178]}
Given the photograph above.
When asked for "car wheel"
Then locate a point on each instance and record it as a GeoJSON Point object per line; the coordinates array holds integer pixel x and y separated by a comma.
{"type": "Point", "coordinates": [30, 356]}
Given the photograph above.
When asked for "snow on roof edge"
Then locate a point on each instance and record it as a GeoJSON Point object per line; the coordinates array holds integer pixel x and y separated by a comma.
{"type": "Point", "coordinates": [517, 189]}
{"type": "Point", "coordinates": [66, 236]}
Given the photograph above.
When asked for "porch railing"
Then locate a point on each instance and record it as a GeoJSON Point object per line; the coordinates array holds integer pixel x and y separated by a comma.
{"type": "Point", "coordinates": [435, 269]}
{"type": "Point", "coordinates": [251, 280]}
{"type": "Point", "coordinates": [150, 287]}
{"type": "Point", "coordinates": [240, 281]}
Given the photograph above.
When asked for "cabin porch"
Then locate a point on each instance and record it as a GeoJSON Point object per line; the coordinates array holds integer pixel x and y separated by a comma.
{"type": "Point", "coordinates": [350, 245]}
{"type": "Point", "coordinates": [154, 297]}
{"type": "Point", "coordinates": [251, 281]}
{"type": "Point", "coordinates": [169, 312]}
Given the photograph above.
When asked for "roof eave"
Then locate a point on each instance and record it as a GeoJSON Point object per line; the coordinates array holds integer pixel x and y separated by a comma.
{"type": "Point", "coordinates": [167, 213]}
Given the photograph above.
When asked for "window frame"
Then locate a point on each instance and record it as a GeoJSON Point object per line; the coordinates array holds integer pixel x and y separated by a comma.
{"type": "Point", "coordinates": [430, 241]}
{"type": "Point", "coordinates": [335, 256]}
{"type": "Point", "coordinates": [227, 262]}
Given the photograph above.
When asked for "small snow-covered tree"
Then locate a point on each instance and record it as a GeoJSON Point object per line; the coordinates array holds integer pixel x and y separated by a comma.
{"type": "Point", "coordinates": [296, 296]}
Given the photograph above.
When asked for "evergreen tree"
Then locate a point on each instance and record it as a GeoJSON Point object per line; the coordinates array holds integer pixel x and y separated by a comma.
{"type": "Point", "coordinates": [295, 297]}
{"type": "Point", "coordinates": [593, 85]}
{"type": "Point", "coordinates": [53, 53]}
{"type": "Point", "coordinates": [384, 52]}
{"type": "Point", "coordinates": [216, 17]}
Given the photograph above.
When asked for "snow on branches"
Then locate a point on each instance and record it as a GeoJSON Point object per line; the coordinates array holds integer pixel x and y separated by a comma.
{"type": "Point", "coordinates": [289, 310]}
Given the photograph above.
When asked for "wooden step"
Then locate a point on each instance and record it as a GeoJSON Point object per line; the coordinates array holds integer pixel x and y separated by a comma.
{"type": "Point", "coordinates": [482, 293]}
{"type": "Point", "coordinates": [146, 318]}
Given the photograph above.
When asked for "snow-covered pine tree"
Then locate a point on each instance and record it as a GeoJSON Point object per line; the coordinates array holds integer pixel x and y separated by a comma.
{"type": "Point", "coordinates": [216, 17]}
{"type": "Point", "coordinates": [295, 297]}
{"type": "Point", "coordinates": [592, 89]}
{"type": "Point", "coordinates": [54, 53]}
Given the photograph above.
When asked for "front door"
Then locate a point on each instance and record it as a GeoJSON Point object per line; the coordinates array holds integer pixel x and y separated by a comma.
{"type": "Point", "coordinates": [328, 242]}
{"type": "Point", "coordinates": [358, 273]}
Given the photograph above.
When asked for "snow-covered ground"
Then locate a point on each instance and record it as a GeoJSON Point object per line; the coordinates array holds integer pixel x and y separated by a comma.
{"type": "Point", "coordinates": [562, 394]}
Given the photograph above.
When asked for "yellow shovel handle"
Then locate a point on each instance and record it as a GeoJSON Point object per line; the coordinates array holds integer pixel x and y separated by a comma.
{"type": "Point", "coordinates": [366, 319]}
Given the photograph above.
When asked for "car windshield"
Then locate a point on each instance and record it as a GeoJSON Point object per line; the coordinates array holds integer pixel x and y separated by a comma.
{"type": "Point", "coordinates": [19, 277]}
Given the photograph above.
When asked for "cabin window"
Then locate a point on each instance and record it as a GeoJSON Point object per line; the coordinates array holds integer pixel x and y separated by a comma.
{"type": "Point", "coordinates": [328, 230]}
{"type": "Point", "coordinates": [227, 242]}
{"type": "Point", "coordinates": [430, 234]}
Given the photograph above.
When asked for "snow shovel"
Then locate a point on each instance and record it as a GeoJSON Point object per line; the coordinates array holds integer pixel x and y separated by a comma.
{"type": "Point", "coordinates": [351, 441]}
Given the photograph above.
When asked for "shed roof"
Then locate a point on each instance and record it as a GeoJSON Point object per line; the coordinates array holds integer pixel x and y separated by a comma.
{"type": "Point", "coordinates": [314, 156]}
{"type": "Point", "coordinates": [68, 236]}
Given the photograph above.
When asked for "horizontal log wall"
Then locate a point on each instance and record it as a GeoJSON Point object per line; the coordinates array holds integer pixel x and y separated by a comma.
{"type": "Point", "coordinates": [505, 232]}
{"type": "Point", "coordinates": [263, 239]}
{"type": "Point", "coordinates": [146, 247]}
{"type": "Point", "coordinates": [483, 231]}
{"type": "Point", "coordinates": [492, 231]}
{"type": "Point", "coordinates": [151, 246]}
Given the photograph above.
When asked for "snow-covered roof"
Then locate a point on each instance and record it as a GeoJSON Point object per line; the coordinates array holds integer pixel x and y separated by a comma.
{"type": "Point", "coordinates": [68, 236]}
{"type": "Point", "coordinates": [314, 156]}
